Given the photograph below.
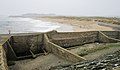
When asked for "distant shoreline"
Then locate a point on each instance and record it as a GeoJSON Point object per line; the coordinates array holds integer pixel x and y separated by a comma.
{"type": "Point", "coordinates": [79, 24]}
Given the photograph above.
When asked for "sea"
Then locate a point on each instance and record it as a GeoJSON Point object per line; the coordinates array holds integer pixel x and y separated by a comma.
{"type": "Point", "coordinates": [29, 25]}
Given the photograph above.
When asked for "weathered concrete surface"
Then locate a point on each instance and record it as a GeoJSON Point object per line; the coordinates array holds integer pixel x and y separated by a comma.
{"type": "Point", "coordinates": [61, 52]}
{"type": "Point", "coordinates": [10, 54]}
{"type": "Point", "coordinates": [3, 59]}
{"type": "Point", "coordinates": [75, 41]}
{"type": "Point", "coordinates": [22, 44]}
{"type": "Point", "coordinates": [71, 39]}
{"type": "Point", "coordinates": [112, 34]}
{"type": "Point", "coordinates": [53, 43]}
{"type": "Point", "coordinates": [108, 37]}
{"type": "Point", "coordinates": [63, 35]}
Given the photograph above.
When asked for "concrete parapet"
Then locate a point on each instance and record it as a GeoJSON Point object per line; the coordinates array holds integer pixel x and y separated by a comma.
{"type": "Point", "coordinates": [73, 38]}
{"type": "Point", "coordinates": [110, 37]}
{"type": "Point", "coordinates": [54, 42]}
{"type": "Point", "coordinates": [22, 44]}
{"type": "Point", "coordinates": [61, 52]}
{"type": "Point", "coordinates": [75, 41]}
{"type": "Point", "coordinates": [65, 35]}
{"type": "Point", "coordinates": [112, 34]}
{"type": "Point", "coordinates": [3, 59]}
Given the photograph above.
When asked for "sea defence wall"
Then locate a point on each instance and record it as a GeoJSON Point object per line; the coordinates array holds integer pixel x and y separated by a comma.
{"type": "Point", "coordinates": [20, 46]}
{"type": "Point", "coordinates": [73, 38]}
{"type": "Point", "coordinates": [61, 52]}
{"type": "Point", "coordinates": [108, 37]}
{"type": "Point", "coordinates": [3, 58]}
{"type": "Point", "coordinates": [55, 41]}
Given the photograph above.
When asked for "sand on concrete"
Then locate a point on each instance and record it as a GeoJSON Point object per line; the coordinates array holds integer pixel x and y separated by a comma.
{"type": "Point", "coordinates": [78, 25]}
{"type": "Point", "coordinates": [43, 62]}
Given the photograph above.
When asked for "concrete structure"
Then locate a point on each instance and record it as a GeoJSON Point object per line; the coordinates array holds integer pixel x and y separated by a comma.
{"type": "Point", "coordinates": [3, 59]}
{"type": "Point", "coordinates": [20, 46]}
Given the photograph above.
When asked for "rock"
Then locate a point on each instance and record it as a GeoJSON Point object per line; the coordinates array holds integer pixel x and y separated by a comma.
{"type": "Point", "coordinates": [104, 69]}
{"type": "Point", "coordinates": [109, 55]}
{"type": "Point", "coordinates": [105, 61]}
{"type": "Point", "coordinates": [79, 66]}
{"type": "Point", "coordinates": [92, 63]}
{"type": "Point", "coordinates": [116, 65]}
{"type": "Point", "coordinates": [108, 62]}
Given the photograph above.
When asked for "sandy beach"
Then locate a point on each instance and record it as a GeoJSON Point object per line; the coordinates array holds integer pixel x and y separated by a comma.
{"type": "Point", "coordinates": [78, 25]}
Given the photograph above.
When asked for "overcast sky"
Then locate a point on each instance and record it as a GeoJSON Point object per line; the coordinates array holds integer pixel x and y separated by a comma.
{"type": "Point", "coordinates": [61, 7]}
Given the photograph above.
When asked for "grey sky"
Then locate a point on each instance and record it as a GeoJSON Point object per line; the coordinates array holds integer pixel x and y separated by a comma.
{"type": "Point", "coordinates": [61, 7]}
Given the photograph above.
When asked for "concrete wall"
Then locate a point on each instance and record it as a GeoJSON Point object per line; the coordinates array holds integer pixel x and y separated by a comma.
{"type": "Point", "coordinates": [9, 51]}
{"type": "Point", "coordinates": [78, 38]}
{"type": "Point", "coordinates": [22, 44]}
{"type": "Point", "coordinates": [64, 35]}
{"type": "Point", "coordinates": [52, 42]}
{"type": "Point", "coordinates": [112, 34]}
{"type": "Point", "coordinates": [72, 39]}
{"type": "Point", "coordinates": [3, 60]}
{"type": "Point", "coordinates": [108, 36]}
{"type": "Point", "coordinates": [61, 52]}
{"type": "Point", "coordinates": [118, 34]}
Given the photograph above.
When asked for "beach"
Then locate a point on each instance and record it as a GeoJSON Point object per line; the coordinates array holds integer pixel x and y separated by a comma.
{"type": "Point", "coordinates": [30, 25]}
{"type": "Point", "coordinates": [78, 25]}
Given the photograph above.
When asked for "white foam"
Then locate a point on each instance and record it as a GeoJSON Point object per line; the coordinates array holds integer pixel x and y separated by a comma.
{"type": "Point", "coordinates": [41, 26]}
{"type": "Point", "coordinates": [27, 25]}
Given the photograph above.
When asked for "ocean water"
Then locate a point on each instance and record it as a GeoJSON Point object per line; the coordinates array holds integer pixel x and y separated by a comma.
{"type": "Point", "coordinates": [29, 25]}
